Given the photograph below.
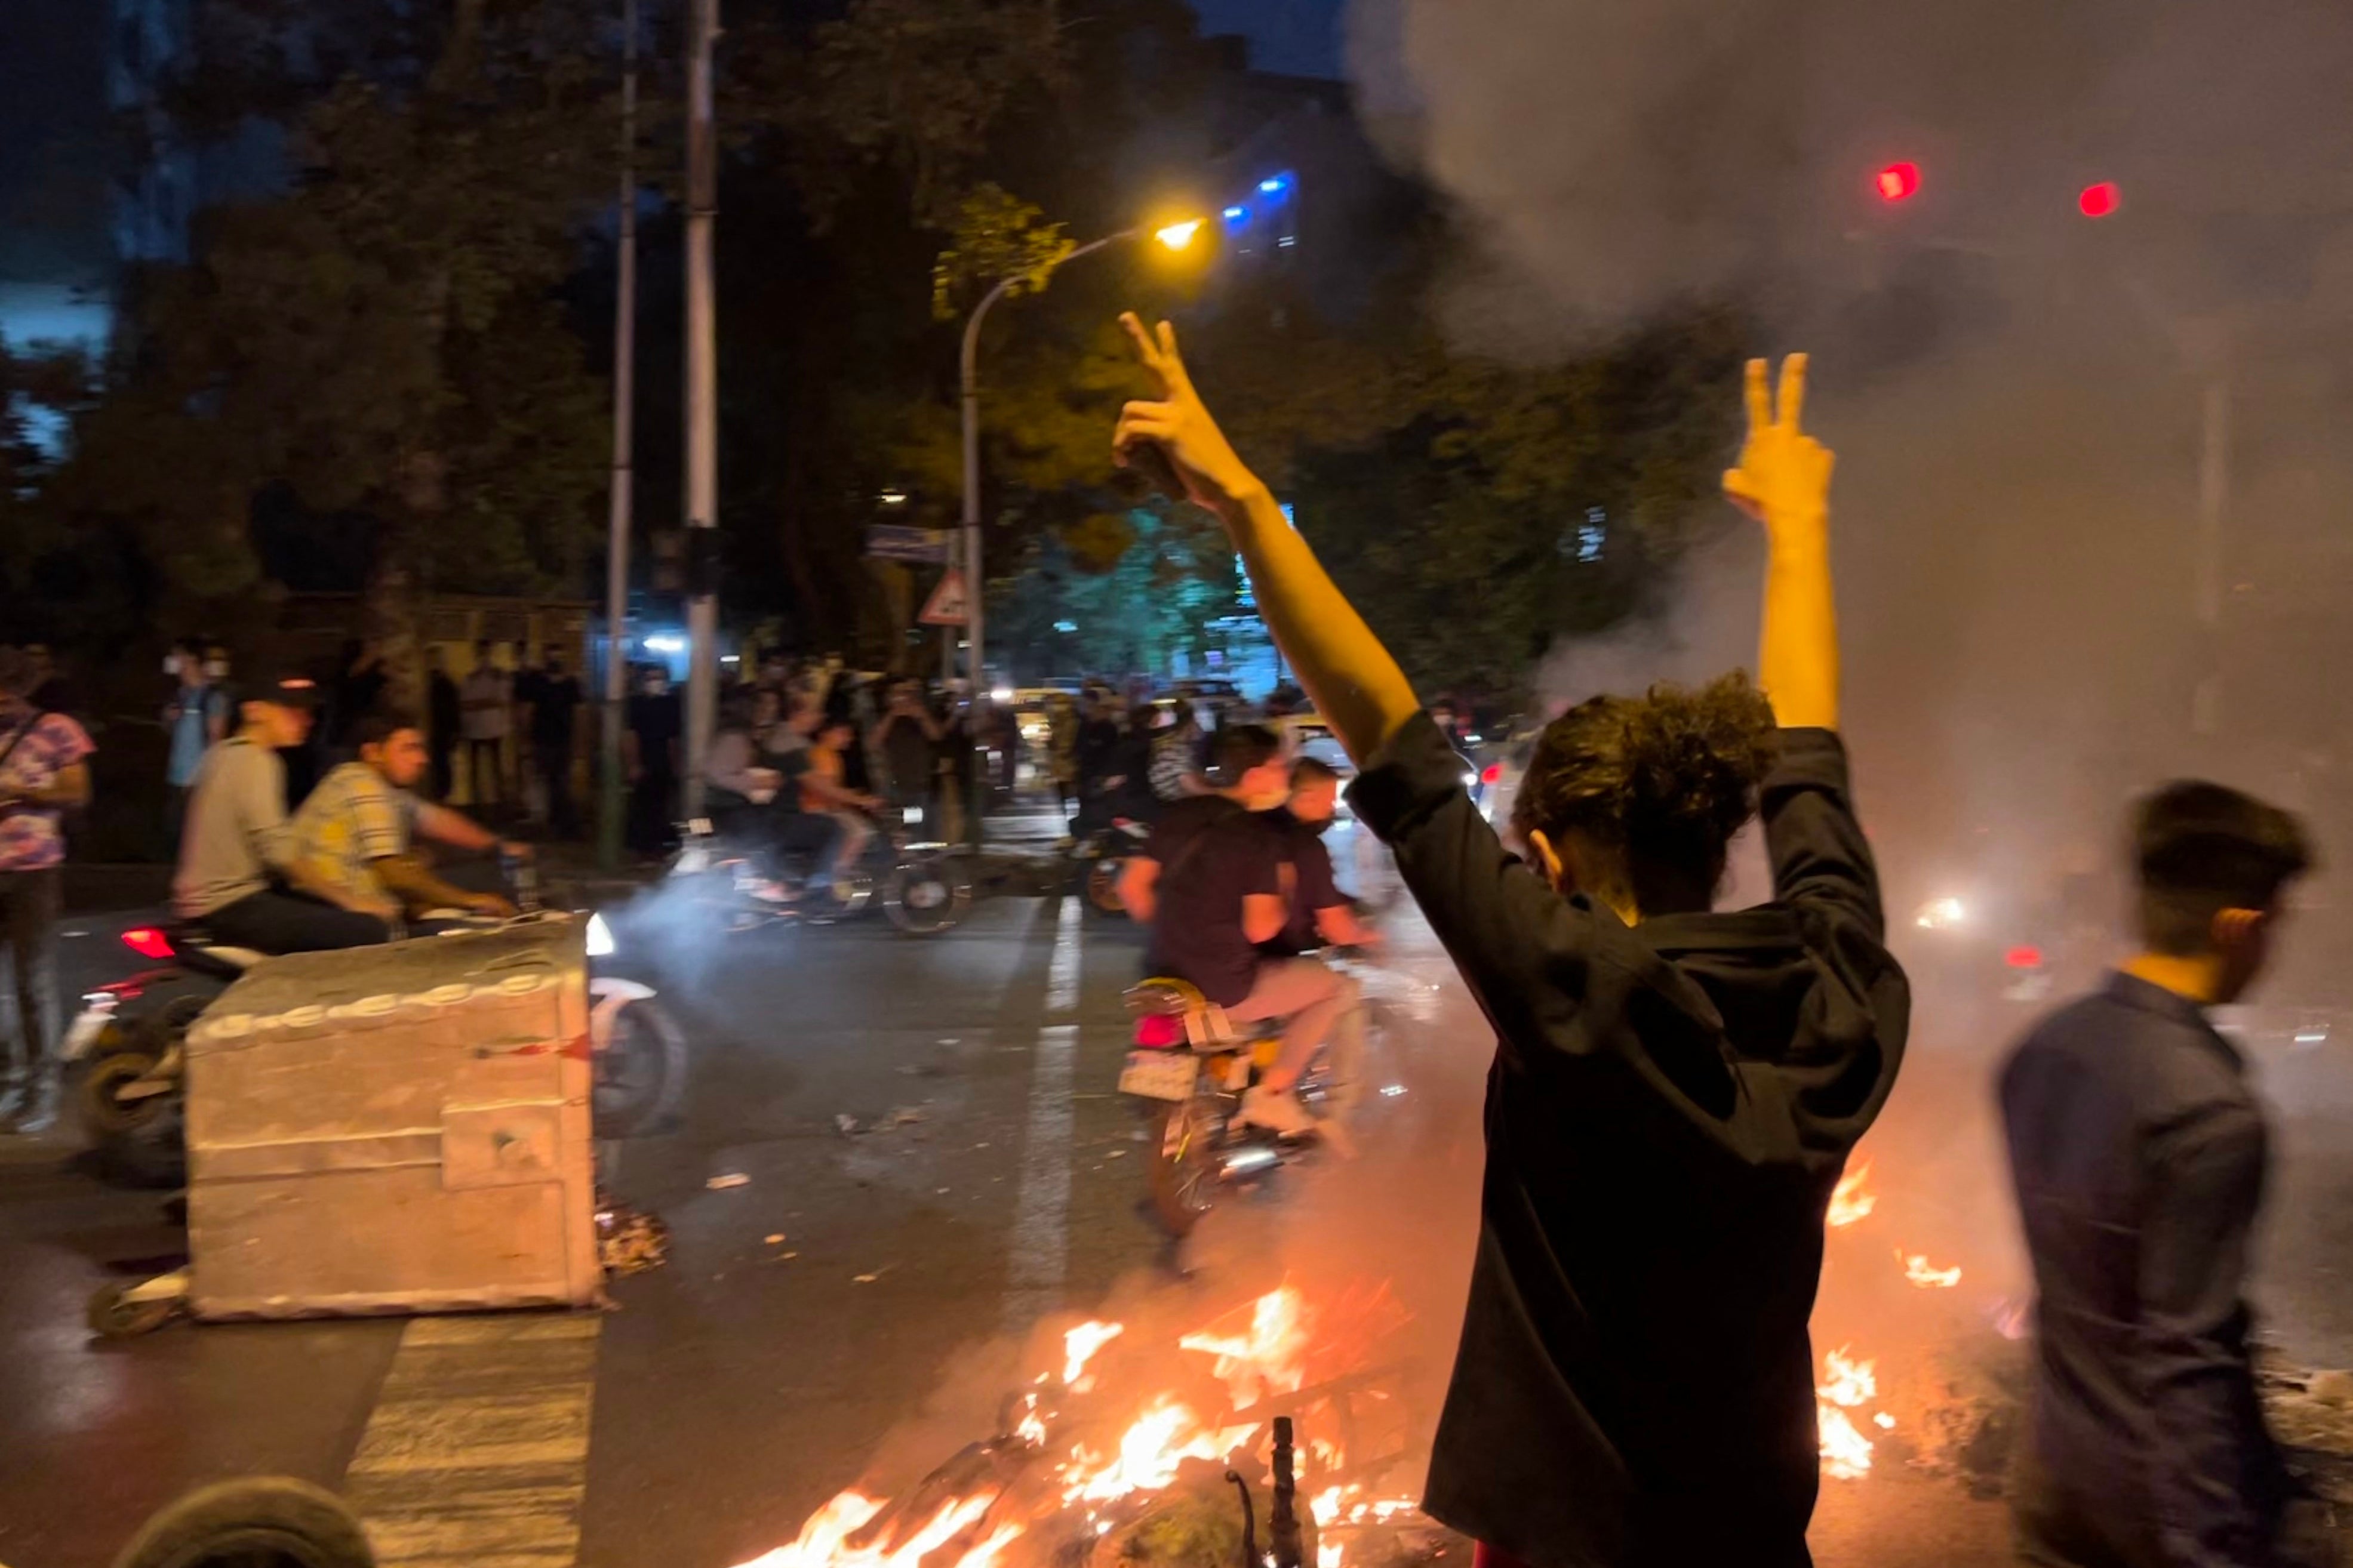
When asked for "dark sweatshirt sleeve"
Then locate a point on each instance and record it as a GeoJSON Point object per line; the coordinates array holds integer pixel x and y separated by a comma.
{"type": "Point", "coordinates": [1524, 950]}
{"type": "Point", "coordinates": [2205, 1178]}
{"type": "Point", "coordinates": [1821, 862]}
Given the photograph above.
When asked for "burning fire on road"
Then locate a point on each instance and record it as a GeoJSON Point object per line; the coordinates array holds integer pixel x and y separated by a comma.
{"type": "Point", "coordinates": [1074, 1468]}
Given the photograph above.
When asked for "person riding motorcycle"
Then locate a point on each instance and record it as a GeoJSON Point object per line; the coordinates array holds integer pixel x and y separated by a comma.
{"type": "Point", "coordinates": [352, 836]}
{"type": "Point", "coordinates": [1321, 915]}
{"type": "Point", "coordinates": [1209, 883]}
{"type": "Point", "coordinates": [240, 876]}
{"type": "Point", "coordinates": [752, 788]}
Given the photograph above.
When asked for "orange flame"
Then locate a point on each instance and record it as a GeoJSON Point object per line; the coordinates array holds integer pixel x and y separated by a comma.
{"type": "Point", "coordinates": [1270, 1357]}
{"type": "Point", "coordinates": [1165, 1435]}
{"type": "Point", "coordinates": [824, 1541]}
{"type": "Point", "coordinates": [1079, 1345]}
{"type": "Point", "coordinates": [1849, 1200]}
{"type": "Point", "coordinates": [1917, 1270]}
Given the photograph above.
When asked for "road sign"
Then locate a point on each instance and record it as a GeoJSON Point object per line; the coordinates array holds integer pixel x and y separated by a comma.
{"type": "Point", "coordinates": [946, 606]}
{"type": "Point", "coordinates": [896, 541]}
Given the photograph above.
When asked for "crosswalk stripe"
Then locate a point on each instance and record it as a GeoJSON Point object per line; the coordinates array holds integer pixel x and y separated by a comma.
{"type": "Point", "coordinates": [477, 1455]}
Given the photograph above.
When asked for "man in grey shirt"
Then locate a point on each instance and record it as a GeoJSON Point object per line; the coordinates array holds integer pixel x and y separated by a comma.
{"type": "Point", "coordinates": [238, 872]}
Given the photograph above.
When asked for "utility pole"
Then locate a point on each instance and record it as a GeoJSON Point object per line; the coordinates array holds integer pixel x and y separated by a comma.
{"type": "Point", "coordinates": [625, 379]}
{"type": "Point", "coordinates": [702, 402]}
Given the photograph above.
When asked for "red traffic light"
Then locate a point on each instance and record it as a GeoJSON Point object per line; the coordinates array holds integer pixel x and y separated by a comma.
{"type": "Point", "coordinates": [1897, 182]}
{"type": "Point", "coordinates": [2101, 200]}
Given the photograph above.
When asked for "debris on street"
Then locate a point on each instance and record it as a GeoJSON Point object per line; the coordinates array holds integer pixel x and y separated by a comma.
{"type": "Point", "coordinates": [732, 1179]}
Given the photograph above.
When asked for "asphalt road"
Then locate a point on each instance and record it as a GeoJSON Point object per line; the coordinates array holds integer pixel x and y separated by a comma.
{"type": "Point", "coordinates": [848, 1312]}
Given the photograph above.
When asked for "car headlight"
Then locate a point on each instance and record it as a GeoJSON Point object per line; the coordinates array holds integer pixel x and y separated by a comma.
{"type": "Point", "coordinates": [600, 938]}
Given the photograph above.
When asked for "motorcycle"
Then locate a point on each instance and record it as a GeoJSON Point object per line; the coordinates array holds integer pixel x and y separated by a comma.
{"type": "Point", "coordinates": [1191, 1065]}
{"type": "Point", "coordinates": [920, 886]}
{"type": "Point", "coordinates": [130, 1098]}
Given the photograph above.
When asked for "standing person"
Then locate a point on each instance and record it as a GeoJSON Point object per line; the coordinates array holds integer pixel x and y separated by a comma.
{"type": "Point", "coordinates": [444, 714]}
{"type": "Point", "coordinates": [195, 718]}
{"type": "Point", "coordinates": [2138, 1152]}
{"type": "Point", "coordinates": [44, 772]}
{"type": "Point", "coordinates": [239, 871]}
{"type": "Point", "coordinates": [1096, 757]}
{"type": "Point", "coordinates": [1177, 756]}
{"type": "Point", "coordinates": [486, 703]}
{"type": "Point", "coordinates": [554, 698]}
{"type": "Point", "coordinates": [1062, 755]}
{"type": "Point", "coordinates": [650, 753]}
{"type": "Point", "coordinates": [1676, 1091]}
{"type": "Point", "coordinates": [905, 740]}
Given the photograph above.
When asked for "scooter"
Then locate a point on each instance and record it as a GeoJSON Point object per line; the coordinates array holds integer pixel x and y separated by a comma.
{"type": "Point", "coordinates": [130, 1098]}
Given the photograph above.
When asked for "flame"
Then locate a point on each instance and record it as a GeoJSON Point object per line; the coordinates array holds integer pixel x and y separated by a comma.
{"type": "Point", "coordinates": [1032, 1427]}
{"type": "Point", "coordinates": [1165, 1435]}
{"type": "Point", "coordinates": [1079, 1345]}
{"type": "Point", "coordinates": [1270, 1357]}
{"type": "Point", "coordinates": [824, 1541]}
{"type": "Point", "coordinates": [1846, 1453]}
{"type": "Point", "coordinates": [1846, 1383]}
{"type": "Point", "coordinates": [1328, 1554]}
{"type": "Point", "coordinates": [1917, 1270]}
{"type": "Point", "coordinates": [1849, 1201]}
{"type": "Point", "coordinates": [1325, 1506]}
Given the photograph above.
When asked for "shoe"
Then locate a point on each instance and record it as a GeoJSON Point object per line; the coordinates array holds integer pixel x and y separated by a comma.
{"type": "Point", "coordinates": [41, 1112]}
{"type": "Point", "coordinates": [1277, 1111]}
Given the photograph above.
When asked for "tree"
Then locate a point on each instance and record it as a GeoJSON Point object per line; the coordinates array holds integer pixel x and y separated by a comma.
{"type": "Point", "coordinates": [378, 339]}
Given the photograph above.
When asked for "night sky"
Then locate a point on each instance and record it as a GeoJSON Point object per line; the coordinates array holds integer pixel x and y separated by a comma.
{"type": "Point", "coordinates": [1297, 37]}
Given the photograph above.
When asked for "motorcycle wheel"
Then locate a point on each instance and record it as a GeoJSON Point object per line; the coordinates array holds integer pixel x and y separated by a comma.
{"type": "Point", "coordinates": [924, 897]}
{"type": "Point", "coordinates": [266, 1522]}
{"type": "Point", "coordinates": [1184, 1170]}
{"type": "Point", "coordinates": [640, 1073]}
{"type": "Point", "coordinates": [1103, 888]}
{"type": "Point", "coordinates": [140, 1141]}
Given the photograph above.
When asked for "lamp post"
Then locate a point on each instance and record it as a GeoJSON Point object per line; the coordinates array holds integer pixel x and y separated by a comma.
{"type": "Point", "coordinates": [617, 564]}
{"type": "Point", "coordinates": [1175, 236]}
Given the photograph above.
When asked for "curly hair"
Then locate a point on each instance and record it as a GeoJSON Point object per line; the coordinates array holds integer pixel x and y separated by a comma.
{"type": "Point", "coordinates": [1656, 784]}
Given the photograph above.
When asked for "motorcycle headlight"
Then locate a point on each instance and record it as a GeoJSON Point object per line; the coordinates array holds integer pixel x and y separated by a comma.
{"type": "Point", "coordinates": [1941, 914]}
{"type": "Point", "coordinates": [600, 938]}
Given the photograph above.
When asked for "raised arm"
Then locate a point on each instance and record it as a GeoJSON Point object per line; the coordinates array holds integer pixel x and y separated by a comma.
{"type": "Point", "coordinates": [1345, 670]}
{"type": "Point", "coordinates": [1784, 481]}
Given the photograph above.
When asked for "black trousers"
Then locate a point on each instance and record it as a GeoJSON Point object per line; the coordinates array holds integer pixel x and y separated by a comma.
{"type": "Point", "coordinates": [445, 766]}
{"type": "Point", "coordinates": [556, 770]}
{"type": "Point", "coordinates": [29, 901]}
{"type": "Point", "coordinates": [276, 920]}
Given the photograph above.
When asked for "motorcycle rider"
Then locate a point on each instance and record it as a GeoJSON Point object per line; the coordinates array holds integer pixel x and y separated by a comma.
{"type": "Point", "coordinates": [1209, 883]}
{"type": "Point", "coordinates": [354, 834]}
{"type": "Point", "coordinates": [1321, 915]}
{"type": "Point", "coordinates": [238, 873]}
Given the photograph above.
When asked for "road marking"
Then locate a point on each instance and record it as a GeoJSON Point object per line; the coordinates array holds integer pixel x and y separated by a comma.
{"type": "Point", "coordinates": [476, 1456]}
{"type": "Point", "coordinates": [1041, 1214]}
{"type": "Point", "coordinates": [1062, 970]}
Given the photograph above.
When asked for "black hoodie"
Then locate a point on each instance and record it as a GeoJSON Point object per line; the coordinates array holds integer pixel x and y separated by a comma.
{"type": "Point", "coordinates": [1668, 1111]}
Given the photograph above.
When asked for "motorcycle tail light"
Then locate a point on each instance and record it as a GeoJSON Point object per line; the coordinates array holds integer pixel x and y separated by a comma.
{"type": "Point", "coordinates": [1491, 773]}
{"type": "Point", "coordinates": [147, 942]}
{"type": "Point", "coordinates": [1159, 1032]}
{"type": "Point", "coordinates": [2024, 958]}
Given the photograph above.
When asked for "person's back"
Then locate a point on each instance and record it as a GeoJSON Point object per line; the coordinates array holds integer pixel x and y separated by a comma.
{"type": "Point", "coordinates": [2137, 1153]}
{"type": "Point", "coordinates": [226, 848]}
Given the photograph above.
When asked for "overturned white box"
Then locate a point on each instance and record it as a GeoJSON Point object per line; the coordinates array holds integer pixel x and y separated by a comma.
{"type": "Point", "coordinates": [395, 1129]}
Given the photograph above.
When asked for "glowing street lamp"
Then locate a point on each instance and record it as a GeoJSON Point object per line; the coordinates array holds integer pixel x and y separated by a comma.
{"type": "Point", "coordinates": [1178, 235]}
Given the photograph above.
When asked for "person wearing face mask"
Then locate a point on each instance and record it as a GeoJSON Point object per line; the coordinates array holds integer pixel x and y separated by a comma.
{"type": "Point", "coordinates": [1210, 883]}
{"type": "Point", "coordinates": [195, 719]}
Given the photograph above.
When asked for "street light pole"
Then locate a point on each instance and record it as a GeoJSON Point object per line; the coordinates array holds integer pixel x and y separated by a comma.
{"type": "Point", "coordinates": [701, 401]}
{"type": "Point", "coordinates": [975, 663]}
{"type": "Point", "coordinates": [625, 368]}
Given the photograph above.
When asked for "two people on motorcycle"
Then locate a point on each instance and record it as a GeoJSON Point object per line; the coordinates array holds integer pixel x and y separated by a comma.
{"type": "Point", "coordinates": [1214, 882]}
{"type": "Point", "coordinates": [759, 776]}
{"type": "Point", "coordinates": [338, 873]}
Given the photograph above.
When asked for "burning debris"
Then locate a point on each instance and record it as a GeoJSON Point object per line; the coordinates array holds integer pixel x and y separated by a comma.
{"type": "Point", "coordinates": [1148, 1481]}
